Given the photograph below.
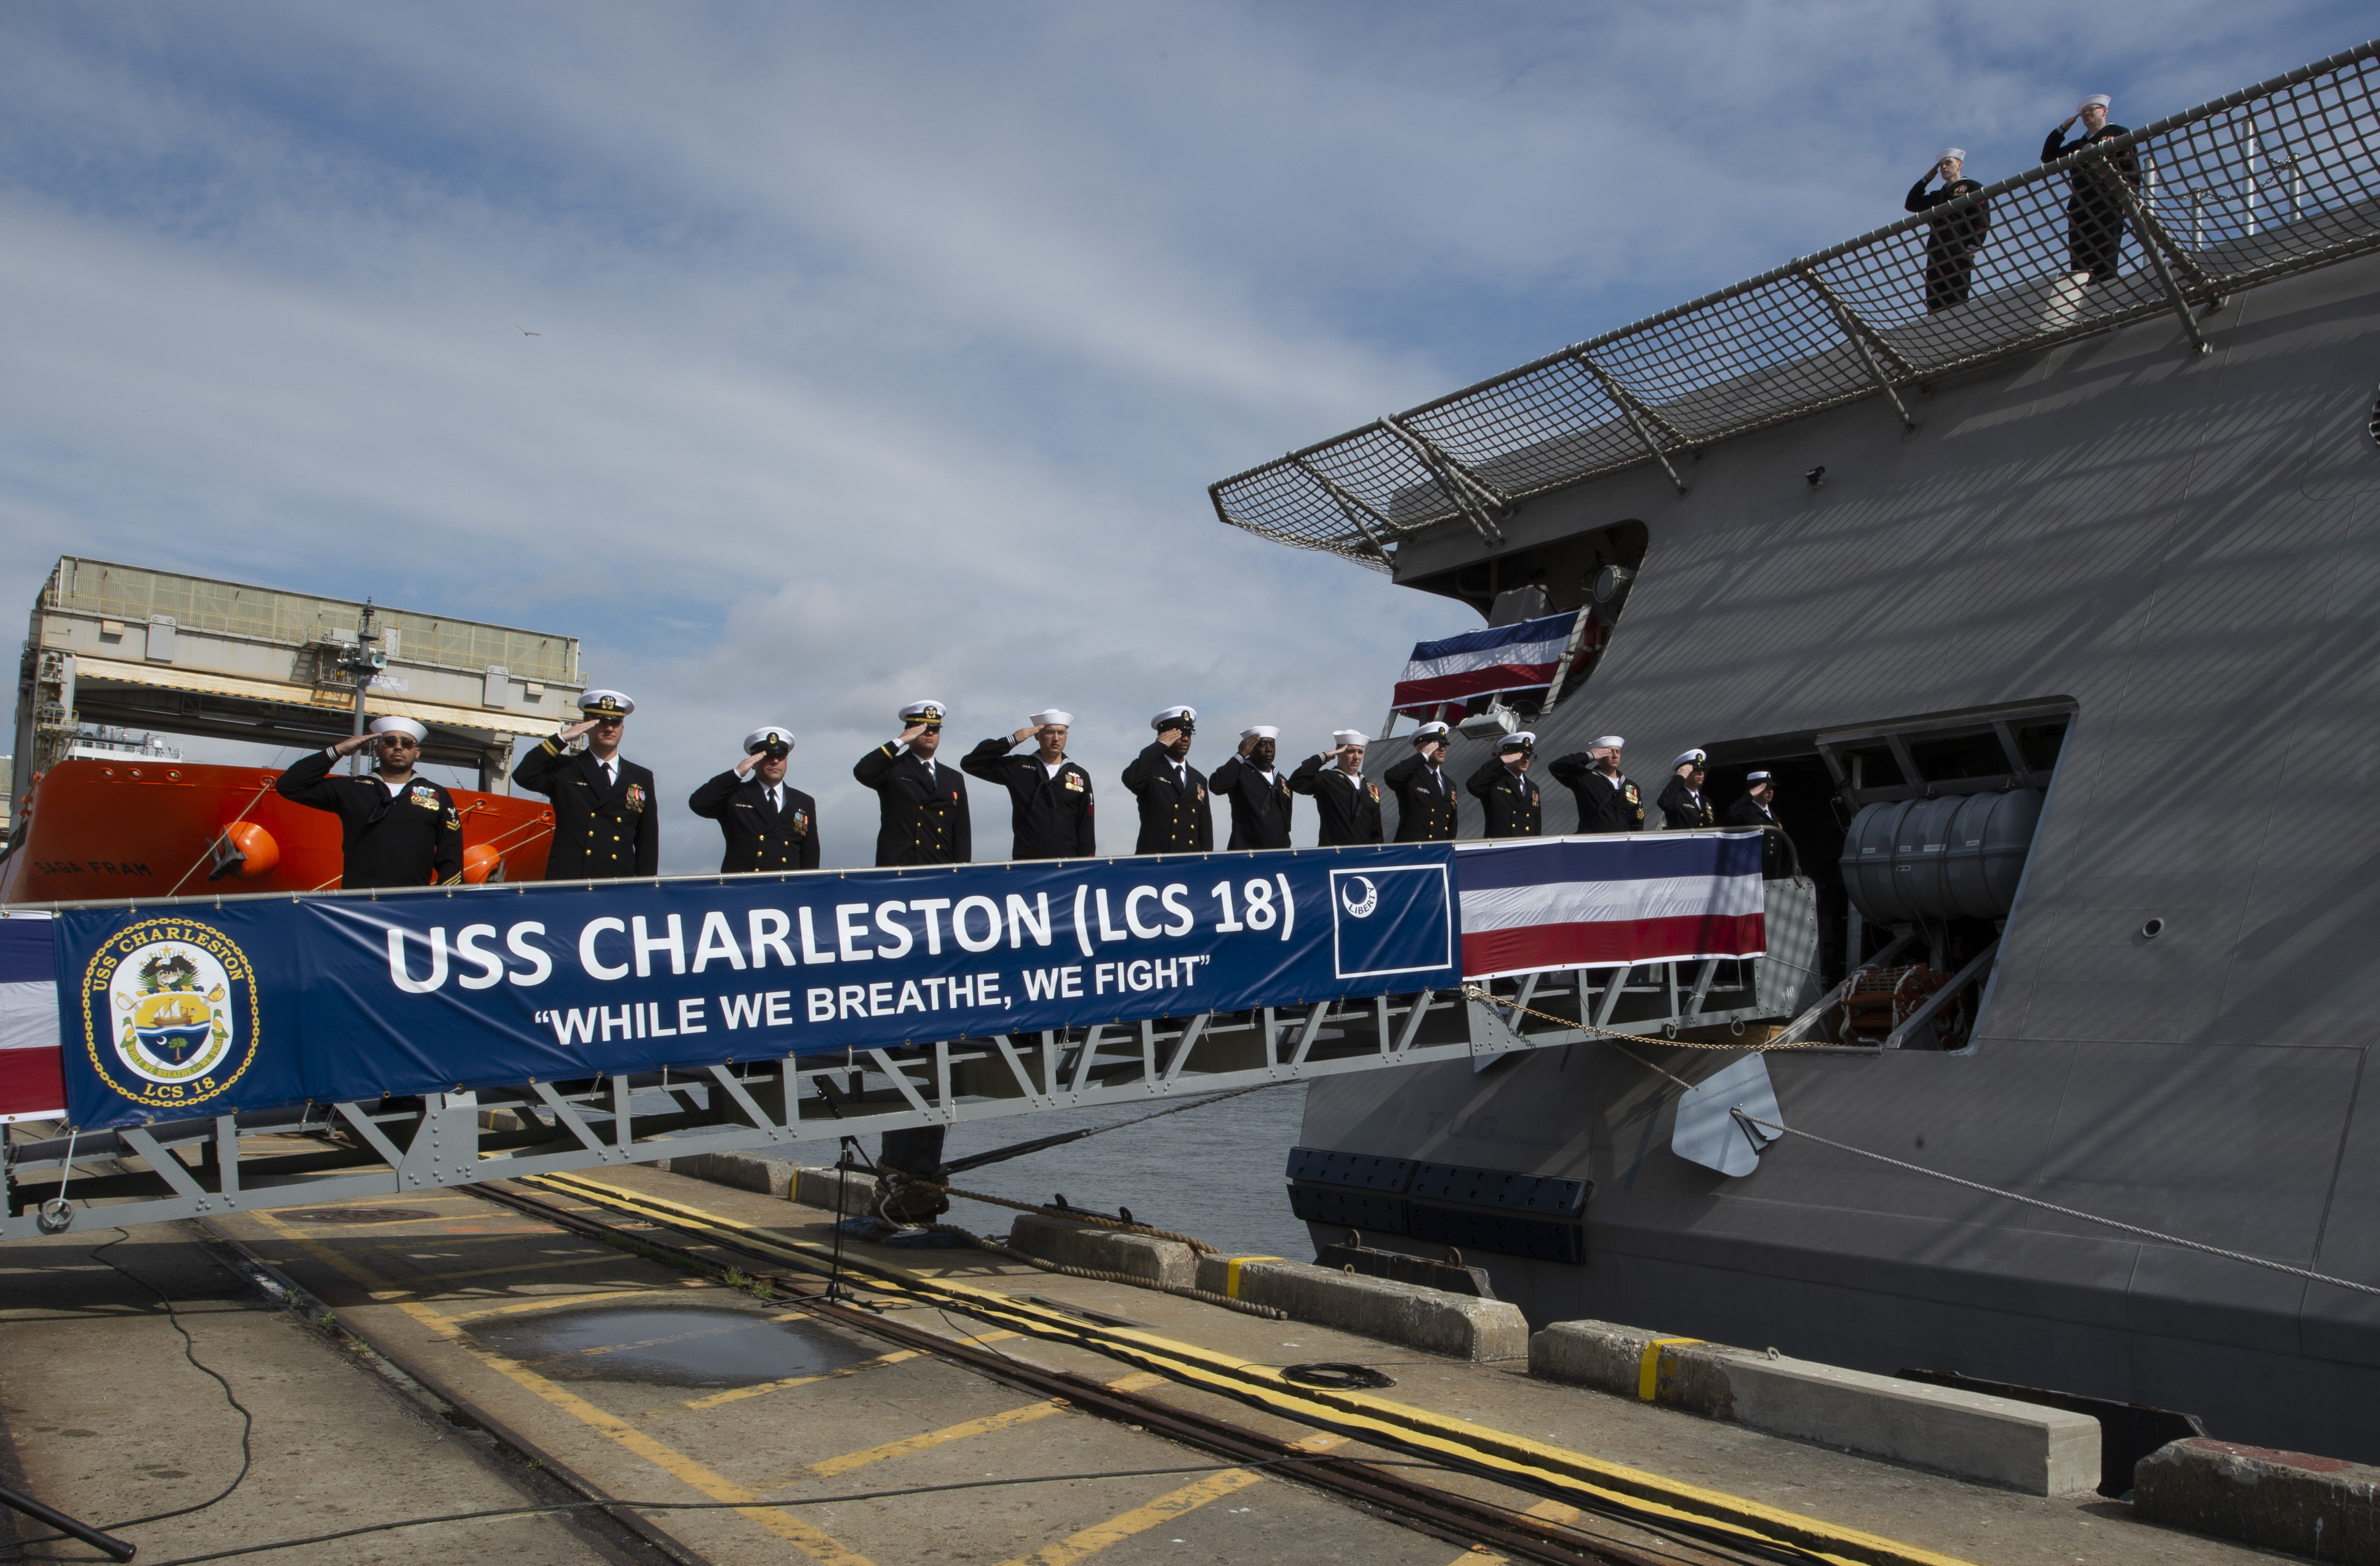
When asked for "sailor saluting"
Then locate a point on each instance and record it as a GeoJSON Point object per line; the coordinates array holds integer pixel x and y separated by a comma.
{"type": "Point", "coordinates": [1502, 786]}
{"type": "Point", "coordinates": [396, 828]}
{"type": "Point", "coordinates": [1349, 807]}
{"type": "Point", "coordinates": [1259, 795]}
{"type": "Point", "coordinates": [1606, 800]}
{"type": "Point", "coordinates": [1048, 797]}
{"type": "Point", "coordinates": [922, 802]}
{"type": "Point", "coordinates": [1175, 816]}
{"type": "Point", "coordinates": [1425, 793]}
{"type": "Point", "coordinates": [770, 825]}
{"type": "Point", "coordinates": [605, 822]}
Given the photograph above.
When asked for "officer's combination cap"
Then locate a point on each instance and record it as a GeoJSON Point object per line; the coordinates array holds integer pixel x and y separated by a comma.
{"type": "Point", "coordinates": [1174, 718]}
{"type": "Point", "coordinates": [1525, 740]}
{"type": "Point", "coordinates": [1750, 778]}
{"type": "Point", "coordinates": [1609, 741]}
{"type": "Point", "coordinates": [1350, 736]}
{"type": "Point", "coordinates": [400, 726]}
{"type": "Point", "coordinates": [760, 738]}
{"type": "Point", "coordinates": [606, 703]}
{"type": "Point", "coordinates": [1260, 731]}
{"type": "Point", "coordinates": [929, 712]}
{"type": "Point", "coordinates": [1683, 757]}
{"type": "Point", "coordinates": [1052, 718]}
{"type": "Point", "coordinates": [1431, 730]}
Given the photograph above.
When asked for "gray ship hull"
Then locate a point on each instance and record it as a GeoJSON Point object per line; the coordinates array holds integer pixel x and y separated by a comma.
{"type": "Point", "coordinates": [2185, 549]}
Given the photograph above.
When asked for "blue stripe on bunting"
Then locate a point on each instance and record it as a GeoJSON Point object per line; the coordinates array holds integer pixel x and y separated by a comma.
{"type": "Point", "coordinates": [25, 952]}
{"type": "Point", "coordinates": [1552, 627]}
{"type": "Point", "coordinates": [1615, 857]}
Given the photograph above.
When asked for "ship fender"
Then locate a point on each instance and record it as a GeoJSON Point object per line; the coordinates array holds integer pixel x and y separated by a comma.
{"type": "Point", "coordinates": [1932, 859]}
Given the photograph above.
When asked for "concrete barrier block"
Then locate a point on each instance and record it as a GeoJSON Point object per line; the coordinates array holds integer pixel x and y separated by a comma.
{"type": "Point", "coordinates": [746, 1171]}
{"type": "Point", "coordinates": [1104, 1250]}
{"type": "Point", "coordinates": [815, 1187]}
{"type": "Point", "coordinates": [2317, 1507]}
{"type": "Point", "coordinates": [1997, 1440]}
{"type": "Point", "coordinates": [1459, 1326]}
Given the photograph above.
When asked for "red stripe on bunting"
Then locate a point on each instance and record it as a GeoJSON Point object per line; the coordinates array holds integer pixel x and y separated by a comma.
{"type": "Point", "coordinates": [1613, 942]}
{"type": "Point", "coordinates": [32, 1082]}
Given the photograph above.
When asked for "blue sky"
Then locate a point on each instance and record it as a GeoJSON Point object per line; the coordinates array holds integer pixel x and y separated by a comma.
{"type": "Point", "coordinates": [886, 351]}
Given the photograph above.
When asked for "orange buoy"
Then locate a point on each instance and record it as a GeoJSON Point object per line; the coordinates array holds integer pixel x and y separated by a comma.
{"type": "Point", "coordinates": [261, 852]}
{"type": "Point", "coordinates": [480, 862]}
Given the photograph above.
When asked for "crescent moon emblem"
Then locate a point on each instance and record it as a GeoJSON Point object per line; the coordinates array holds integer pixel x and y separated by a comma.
{"type": "Point", "coordinates": [1371, 899]}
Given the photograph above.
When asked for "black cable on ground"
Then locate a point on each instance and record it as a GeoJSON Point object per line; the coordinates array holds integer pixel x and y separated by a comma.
{"type": "Point", "coordinates": [759, 1502]}
{"type": "Point", "coordinates": [189, 1351]}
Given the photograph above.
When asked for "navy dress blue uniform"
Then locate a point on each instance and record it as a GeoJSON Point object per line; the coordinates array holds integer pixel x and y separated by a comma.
{"type": "Point", "coordinates": [1605, 805]}
{"type": "Point", "coordinates": [1050, 815]}
{"type": "Point", "coordinates": [1175, 816]}
{"type": "Point", "coordinates": [605, 825]}
{"type": "Point", "coordinates": [2095, 212]}
{"type": "Point", "coordinates": [1260, 804]}
{"type": "Point", "coordinates": [1425, 802]}
{"type": "Point", "coordinates": [923, 807]}
{"type": "Point", "coordinates": [1514, 805]}
{"type": "Point", "coordinates": [1683, 810]}
{"type": "Point", "coordinates": [411, 838]}
{"type": "Point", "coordinates": [761, 835]}
{"type": "Point", "coordinates": [1349, 807]}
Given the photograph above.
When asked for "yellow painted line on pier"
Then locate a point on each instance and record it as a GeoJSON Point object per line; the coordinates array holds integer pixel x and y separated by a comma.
{"type": "Point", "coordinates": [1140, 1519]}
{"type": "Point", "coordinates": [739, 1393]}
{"type": "Point", "coordinates": [810, 1541]}
{"type": "Point", "coordinates": [1362, 1416]}
{"type": "Point", "coordinates": [1648, 1369]}
{"type": "Point", "coordinates": [541, 1302]}
{"type": "Point", "coordinates": [830, 1466]}
{"type": "Point", "coordinates": [1552, 1511]}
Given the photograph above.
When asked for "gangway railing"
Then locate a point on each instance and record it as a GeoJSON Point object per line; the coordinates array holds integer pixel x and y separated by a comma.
{"type": "Point", "coordinates": [2274, 179]}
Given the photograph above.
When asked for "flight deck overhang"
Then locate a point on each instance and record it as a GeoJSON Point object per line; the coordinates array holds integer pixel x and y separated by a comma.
{"type": "Point", "coordinates": [2274, 179]}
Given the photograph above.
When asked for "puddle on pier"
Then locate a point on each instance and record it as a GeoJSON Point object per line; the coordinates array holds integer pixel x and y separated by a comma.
{"type": "Point", "coordinates": [670, 1346]}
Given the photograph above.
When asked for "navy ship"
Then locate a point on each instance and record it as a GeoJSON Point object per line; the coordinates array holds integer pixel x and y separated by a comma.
{"type": "Point", "coordinates": [2096, 555]}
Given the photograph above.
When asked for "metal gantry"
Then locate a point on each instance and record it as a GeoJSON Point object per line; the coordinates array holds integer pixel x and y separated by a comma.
{"type": "Point", "coordinates": [2278, 179]}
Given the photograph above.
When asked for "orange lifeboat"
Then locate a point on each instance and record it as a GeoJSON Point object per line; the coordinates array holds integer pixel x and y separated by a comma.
{"type": "Point", "coordinates": [144, 829]}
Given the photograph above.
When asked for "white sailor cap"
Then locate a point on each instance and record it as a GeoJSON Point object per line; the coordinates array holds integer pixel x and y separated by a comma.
{"type": "Point", "coordinates": [921, 712]}
{"type": "Point", "coordinates": [1174, 717]}
{"type": "Point", "coordinates": [1609, 741]}
{"type": "Point", "coordinates": [1958, 152]}
{"type": "Point", "coordinates": [606, 703]}
{"type": "Point", "coordinates": [767, 735]}
{"type": "Point", "coordinates": [1052, 718]}
{"type": "Point", "coordinates": [1751, 778]}
{"type": "Point", "coordinates": [1350, 736]}
{"type": "Point", "coordinates": [2099, 98]}
{"type": "Point", "coordinates": [1683, 757]}
{"type": "Point", "coordinates": [1525, 740]}
{"type": "Point", "coordinates": [400, 726]}
{"type": "Point", "coordinates": [1260, 731]}
{"type": "Point", "coordinates": [1431, 730]}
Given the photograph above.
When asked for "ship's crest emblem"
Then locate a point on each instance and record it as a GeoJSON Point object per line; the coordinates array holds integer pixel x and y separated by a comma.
{"type": "Point", "coordinates": [169, 1012]}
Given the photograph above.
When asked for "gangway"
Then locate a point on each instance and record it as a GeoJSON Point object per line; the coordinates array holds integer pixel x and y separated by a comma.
{"type": "Point", "coordinates": [359, 1147]}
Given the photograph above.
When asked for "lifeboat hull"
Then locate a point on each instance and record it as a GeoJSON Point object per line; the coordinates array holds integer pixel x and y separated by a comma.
{"type": "Point", "coordinates": [107, 830]}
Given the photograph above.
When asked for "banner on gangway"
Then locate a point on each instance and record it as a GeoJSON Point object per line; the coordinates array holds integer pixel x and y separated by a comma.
{"type": "Point", "coordinates": [1531, 905]}
{"type": "Point", "coordinates": [186, 1010]}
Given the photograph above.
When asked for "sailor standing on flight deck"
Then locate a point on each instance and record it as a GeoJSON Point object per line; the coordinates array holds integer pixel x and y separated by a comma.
{"type": "Point", "coordinates": [1608, 802]}
{"type": "Point", "coordinates": [1175, 816]}
{"type": "Point", "coordinates": [1349, 807]}
{"type": "Point", "coordinates": [1259, 795]}
{"type": "Point", "coordinates": [2094, 213]}
{"type": "Point", "coordinates": [922, 802]}
{"type": "Point", "coordinates": [1950, 241]}
{"type": "Point", "coordinates": [396, 828]}
{"type": "Point", "coordinates": [1502, 786]}
{"type": "Point", "coordinates": [1684, 806]}
{"type": "Point", "coordinates": [1048, 797]}
{"type": "Point", "coordinates": [605, 825]}
{"type": "Point", "coordinates": [1425, 793]}
{"type": "Point", "coordinates": [770, 825]}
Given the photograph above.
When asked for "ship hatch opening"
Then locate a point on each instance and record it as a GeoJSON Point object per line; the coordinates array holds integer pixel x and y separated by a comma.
{"type": "Point", "coordinates": [1913, 833]}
